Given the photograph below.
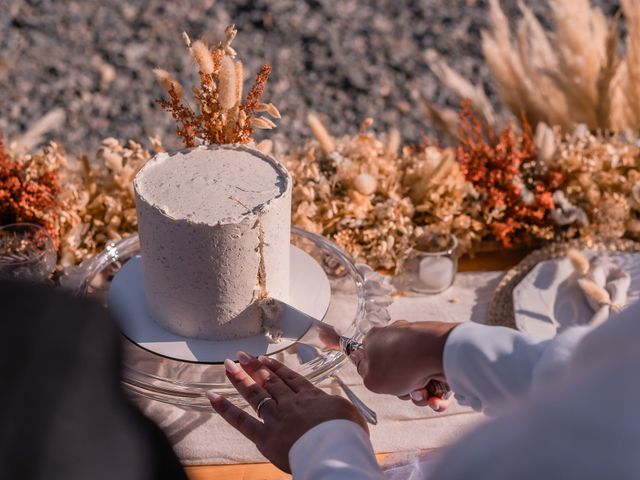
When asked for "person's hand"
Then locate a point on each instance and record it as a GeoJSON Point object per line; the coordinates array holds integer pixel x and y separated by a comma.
{"type": "Point", "coordinates": [403, 358]}
{"type": "Point", "coordinates": [294, 406]}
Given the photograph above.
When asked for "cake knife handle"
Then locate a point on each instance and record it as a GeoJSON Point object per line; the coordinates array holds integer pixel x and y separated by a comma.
{"type": "Point", "coordinates": [435, 388]}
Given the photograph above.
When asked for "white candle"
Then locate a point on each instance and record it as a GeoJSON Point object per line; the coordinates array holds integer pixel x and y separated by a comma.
{"type": "Point", "coordinates": [435, 273]}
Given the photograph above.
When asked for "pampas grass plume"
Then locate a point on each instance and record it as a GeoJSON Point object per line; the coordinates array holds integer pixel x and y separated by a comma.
{"type": "Point", "coordinates": [579, 262]}
{"type": "Point", "coordinates": [168, 82]}
{"type": "Point", "coordinates": [227, 87]}
{"type": "Point", "coordinates": [239, 81]}
{"type": "Point", "coordinates": [320, 132]}
{"type": "Point", "coordinates": [594, 291]}
{"type": "Point", "coordinates": [201, 54]}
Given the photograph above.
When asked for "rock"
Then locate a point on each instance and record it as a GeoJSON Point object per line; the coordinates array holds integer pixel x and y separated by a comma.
{"type": "Point", "coordinates": [345, 60]}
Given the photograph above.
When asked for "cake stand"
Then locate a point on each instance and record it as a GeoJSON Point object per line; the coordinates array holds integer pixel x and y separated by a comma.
{"type": "Point", "coordinates": [358, 301]}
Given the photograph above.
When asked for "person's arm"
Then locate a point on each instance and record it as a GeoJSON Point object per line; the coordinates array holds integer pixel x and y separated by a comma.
{"type": "Point", "coordinates": [336, 450]}
{"type": "Point", "coordinates": [303, 429]}
{"type": "Point", "coordinates": [487, 366]}
{"type": "Point", "coordinates": [583, 424]}
{"type": "Point", "coordinates": [484, 365]}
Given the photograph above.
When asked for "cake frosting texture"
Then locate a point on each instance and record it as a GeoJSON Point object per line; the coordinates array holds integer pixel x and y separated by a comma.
{"type": "Point", "coordinates": [214, 225]}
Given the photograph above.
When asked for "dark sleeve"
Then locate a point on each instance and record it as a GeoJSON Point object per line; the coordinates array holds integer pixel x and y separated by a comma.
{"type": "Point", "coordinates": [63, 413]}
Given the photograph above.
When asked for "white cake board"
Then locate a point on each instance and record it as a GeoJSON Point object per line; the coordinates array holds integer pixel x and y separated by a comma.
{"type": "Point", "coordinates": [309, 292]}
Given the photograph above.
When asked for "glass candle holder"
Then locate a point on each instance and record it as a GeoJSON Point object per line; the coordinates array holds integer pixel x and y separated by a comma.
{"type": "Point", "coordinates": [27, 253]}
{"type": "Point", "coordinates": [433, 271]}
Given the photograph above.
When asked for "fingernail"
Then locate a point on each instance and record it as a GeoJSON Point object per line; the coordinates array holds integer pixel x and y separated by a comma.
{"type": "Point", "coordinates": [417, 395]}
{"type": "Point", "coordinates": [245, 358]}
{"type": "Point", "coordinates": [231, 367]}
{"type": "Point", "coordinates": [213, 397]}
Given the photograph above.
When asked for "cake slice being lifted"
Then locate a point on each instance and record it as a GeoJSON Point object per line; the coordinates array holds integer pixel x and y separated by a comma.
{"type": "Point", "coordinates": [214, 225]}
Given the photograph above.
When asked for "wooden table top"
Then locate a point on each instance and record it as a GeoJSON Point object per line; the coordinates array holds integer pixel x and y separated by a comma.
{"type": "Point", "coordinates": [491, 261]}
{"type": "Point", "coordinates": [248, 471]}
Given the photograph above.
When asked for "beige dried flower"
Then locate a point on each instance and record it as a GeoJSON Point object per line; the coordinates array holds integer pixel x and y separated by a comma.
{"type": "Point", "coordinates": [269, 108]}
{"type": "Point", "coordinates": [186, 39]}
{"type": "Point", "coordinates": [201, 54]}
{"type": "Point", "coordinates": [168, 82]}
{"type": "Point", "coordinates": [227, 86]}
{"type": "Point", "coordinates": [594, 291]}
{"type": "Point", "coordinates": [262, 122]}
{"type": "Point", "coordinates": [579, 262]}
{"type": "Point", "coordinates": [600, 176]}
{"type": "Point", "coordinates": [99, 201]}
{"type": "Point", "coordinates": [571, 74]}
{"type": "Point", "coordinates": [221, 116]}
{"type": "Point", "coordinates": [365, 184]}
{"type": "Point", "coordinates": [320, 133]}
{"type": "Point", "coordinates": [360, 193]}
{"type": "Point", "coordinates": [240, 82]}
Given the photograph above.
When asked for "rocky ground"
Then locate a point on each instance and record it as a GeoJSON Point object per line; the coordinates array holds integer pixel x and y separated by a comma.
{"type": "Point", "coordinates": [347, 59]}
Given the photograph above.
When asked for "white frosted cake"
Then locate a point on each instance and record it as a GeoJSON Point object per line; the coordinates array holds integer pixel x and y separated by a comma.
{"type": "Point", "coordinates": [214, 225]}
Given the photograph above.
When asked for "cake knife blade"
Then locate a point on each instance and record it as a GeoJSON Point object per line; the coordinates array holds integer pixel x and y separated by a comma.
{"type": "Point", "coordinates": [325, 337]}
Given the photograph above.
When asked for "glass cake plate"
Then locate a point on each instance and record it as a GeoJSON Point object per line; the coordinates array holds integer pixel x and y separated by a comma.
{"type": "Point", "coordinates": [359, 298]}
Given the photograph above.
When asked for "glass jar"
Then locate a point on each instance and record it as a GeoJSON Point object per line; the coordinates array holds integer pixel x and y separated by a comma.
{"type": "Point", "coordinates": [27, 253]}
{"type": "Point", "coordinates": [433, 271]}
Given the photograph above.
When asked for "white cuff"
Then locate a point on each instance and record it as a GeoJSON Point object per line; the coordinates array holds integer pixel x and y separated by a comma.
{"type": "Point", "coordinates": [486, 365]}
{"type": "Point", "coordinates": [337, 450]}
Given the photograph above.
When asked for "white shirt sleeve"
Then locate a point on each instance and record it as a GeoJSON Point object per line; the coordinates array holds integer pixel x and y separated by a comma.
{"type": "Point", "coordinates": [489, 366]}
{"type": "Point", "coordinates": [336, 450]}
{"type": "Point", "coordinates": [485, 366]}
{"type": "Point", "coordinates": [583, 424]}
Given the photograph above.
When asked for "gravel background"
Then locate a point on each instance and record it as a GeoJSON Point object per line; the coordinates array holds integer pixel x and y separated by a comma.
{"type": "Point", "coordinates": [346, 59]}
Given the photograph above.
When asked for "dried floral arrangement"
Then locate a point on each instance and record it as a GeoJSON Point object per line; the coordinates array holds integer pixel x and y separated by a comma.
{"type": "Point", "coordinates": [373, 198]}
{"type": "Point", "coordinates": [600, 194]}
{"type": "Point", "coordinates": [29, 186]}
{"type": "Point", "coordinates": [95, 206]}
{"type": "Point", "coordinates": [377, 202]}
{"type": "Point", "coordinates": [221, 115]}
{"type": "Point", "coordinates": [377, 199]}
{"type": "Point", "coordinates": [513, 189]}
{"type": "Point", "coordinates": [575, 73]}
{"type": "Point", "coordinates": [98, 201]}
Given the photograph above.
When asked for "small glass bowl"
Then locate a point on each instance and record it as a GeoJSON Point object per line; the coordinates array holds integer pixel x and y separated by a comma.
{"type": "Point", "coordinates": [432, 272]}
{"type": "Point", "coordinates": [27, 253]}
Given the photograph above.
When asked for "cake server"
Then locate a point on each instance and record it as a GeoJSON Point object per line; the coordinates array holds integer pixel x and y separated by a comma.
{"type": "Point", "coordinates": [325, 337]}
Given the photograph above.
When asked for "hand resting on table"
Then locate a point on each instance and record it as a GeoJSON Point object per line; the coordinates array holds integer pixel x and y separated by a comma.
{"type": "Point", "coordinates": [294, 407]}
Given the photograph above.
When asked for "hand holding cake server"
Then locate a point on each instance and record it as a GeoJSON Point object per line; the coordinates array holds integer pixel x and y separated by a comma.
{"type": "Point", "coordinates": [403, 359]}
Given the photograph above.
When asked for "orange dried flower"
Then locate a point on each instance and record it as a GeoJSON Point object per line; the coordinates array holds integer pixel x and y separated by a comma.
{"type": "Point", "coordinates": [26, 194]}
{"type": "Point", "coordinates": [514, 191]}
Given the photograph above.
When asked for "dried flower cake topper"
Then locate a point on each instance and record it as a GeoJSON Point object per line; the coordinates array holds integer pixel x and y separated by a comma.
{"type": "Point", "coordinates": [221, 116]}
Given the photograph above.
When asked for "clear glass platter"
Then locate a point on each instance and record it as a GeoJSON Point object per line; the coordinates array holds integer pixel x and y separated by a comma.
{"type": "Point", "coordinates": [359, 298]}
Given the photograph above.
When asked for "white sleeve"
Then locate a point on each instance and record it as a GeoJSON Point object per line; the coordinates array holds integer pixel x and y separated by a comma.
{"type": "Point", "coordinates": [583, 424]}
{"type": "Point", "coordinates": [336, 450]}
{"type": "Point", "coordinates": [487, 366]}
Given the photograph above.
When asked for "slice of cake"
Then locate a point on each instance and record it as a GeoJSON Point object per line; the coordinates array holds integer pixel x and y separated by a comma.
{"type": "Point", "coordinates": [214, 225]}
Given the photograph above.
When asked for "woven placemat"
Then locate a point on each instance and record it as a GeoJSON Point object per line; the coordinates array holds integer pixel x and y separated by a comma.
{"type": "Point", "coordinates": [501, 307]}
